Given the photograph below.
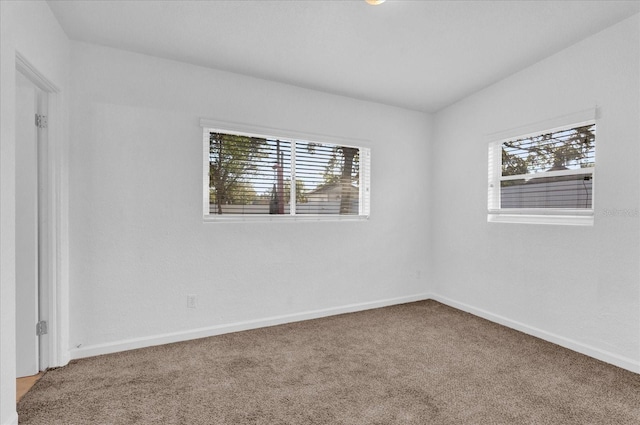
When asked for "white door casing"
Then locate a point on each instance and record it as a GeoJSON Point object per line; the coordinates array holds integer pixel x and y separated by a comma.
{"type": "Point", "coordinates": [27, 347]}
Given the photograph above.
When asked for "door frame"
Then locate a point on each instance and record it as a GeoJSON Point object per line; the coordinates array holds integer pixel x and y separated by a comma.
{"type": "Point", "coordinates": [29, 101]}
{"type": "Point", "coordinates": [53, 254]}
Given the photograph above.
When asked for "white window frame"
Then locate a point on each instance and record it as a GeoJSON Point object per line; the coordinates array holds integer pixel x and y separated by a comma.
{"type": "Point", "coordinates": [209, 125]}
{"type": "Point", "coordinates": [552, 216]}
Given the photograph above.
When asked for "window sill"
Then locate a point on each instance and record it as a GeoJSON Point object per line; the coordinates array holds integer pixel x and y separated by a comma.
{"type": "Point", "coordinates": [561, 217]}
{"type": "Point", "coordinates": [280, 218]}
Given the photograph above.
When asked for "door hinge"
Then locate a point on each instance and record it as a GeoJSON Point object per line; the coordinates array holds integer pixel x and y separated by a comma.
{"type": "Point", "coordinates": [41, 121]}
{"type": "Point", "coordinates": [41, 328]}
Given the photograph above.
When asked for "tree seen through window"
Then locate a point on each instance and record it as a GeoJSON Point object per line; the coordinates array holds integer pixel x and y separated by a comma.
{"type": "Point", "coordinates": [253, 175]}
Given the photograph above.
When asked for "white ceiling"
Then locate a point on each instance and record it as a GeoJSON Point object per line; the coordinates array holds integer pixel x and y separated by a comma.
{"type": "Point", "coordinates": [421, 55]}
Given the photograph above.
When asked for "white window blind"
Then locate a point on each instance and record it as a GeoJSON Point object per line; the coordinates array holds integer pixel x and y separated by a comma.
{"type": "Point", "coordinates": [255, 175]}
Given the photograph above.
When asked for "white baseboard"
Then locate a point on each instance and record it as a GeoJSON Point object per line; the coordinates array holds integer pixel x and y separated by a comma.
{"type": "Point", "coordinates": [131, 344]}
{"type": "Point", "coordinates": [607, 357]}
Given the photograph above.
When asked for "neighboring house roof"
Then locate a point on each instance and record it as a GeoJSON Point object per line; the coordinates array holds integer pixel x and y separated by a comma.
{"type": "Point", "coordinates": [331, 187]}
{"type": "Point", "coordinates": [542, 179]}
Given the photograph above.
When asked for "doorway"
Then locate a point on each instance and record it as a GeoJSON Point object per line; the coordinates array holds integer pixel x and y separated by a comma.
{"type": "Point", "coordinates": [31, 222]}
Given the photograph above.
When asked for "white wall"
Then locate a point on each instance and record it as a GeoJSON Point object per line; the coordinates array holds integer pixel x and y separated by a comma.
{"type": "Point", "coordinates": [577, 286]}
{"type": "Point", "coordinates": [138, 244]}
{"type": "Point", "coordinates": [30, 29]}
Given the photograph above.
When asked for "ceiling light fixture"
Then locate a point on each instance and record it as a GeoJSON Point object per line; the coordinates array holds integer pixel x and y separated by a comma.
{"type": "Point", "coordinates": [375, 2]}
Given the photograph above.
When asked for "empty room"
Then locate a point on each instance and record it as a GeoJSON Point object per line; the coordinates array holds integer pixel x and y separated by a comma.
{"type": "Point", "coordinates": [319, 212]}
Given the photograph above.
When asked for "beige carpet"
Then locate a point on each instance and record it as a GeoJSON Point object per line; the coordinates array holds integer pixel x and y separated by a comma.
{"type": "Point", "coordinates": [417, 363]}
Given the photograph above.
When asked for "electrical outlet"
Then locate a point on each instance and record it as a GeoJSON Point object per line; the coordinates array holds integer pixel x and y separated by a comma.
{"type": "Point", "coordinates": [191, 301]}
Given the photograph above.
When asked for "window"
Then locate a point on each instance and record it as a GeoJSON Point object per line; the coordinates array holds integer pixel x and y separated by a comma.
{"type": "Point", "coordinates": [253, 175]}
{"type": "Point", "coordinates": [544, 177]}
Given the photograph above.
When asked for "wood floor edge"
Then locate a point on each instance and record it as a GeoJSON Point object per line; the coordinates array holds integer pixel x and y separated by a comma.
{"type": "Point", "coordinates": [24, 384]}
